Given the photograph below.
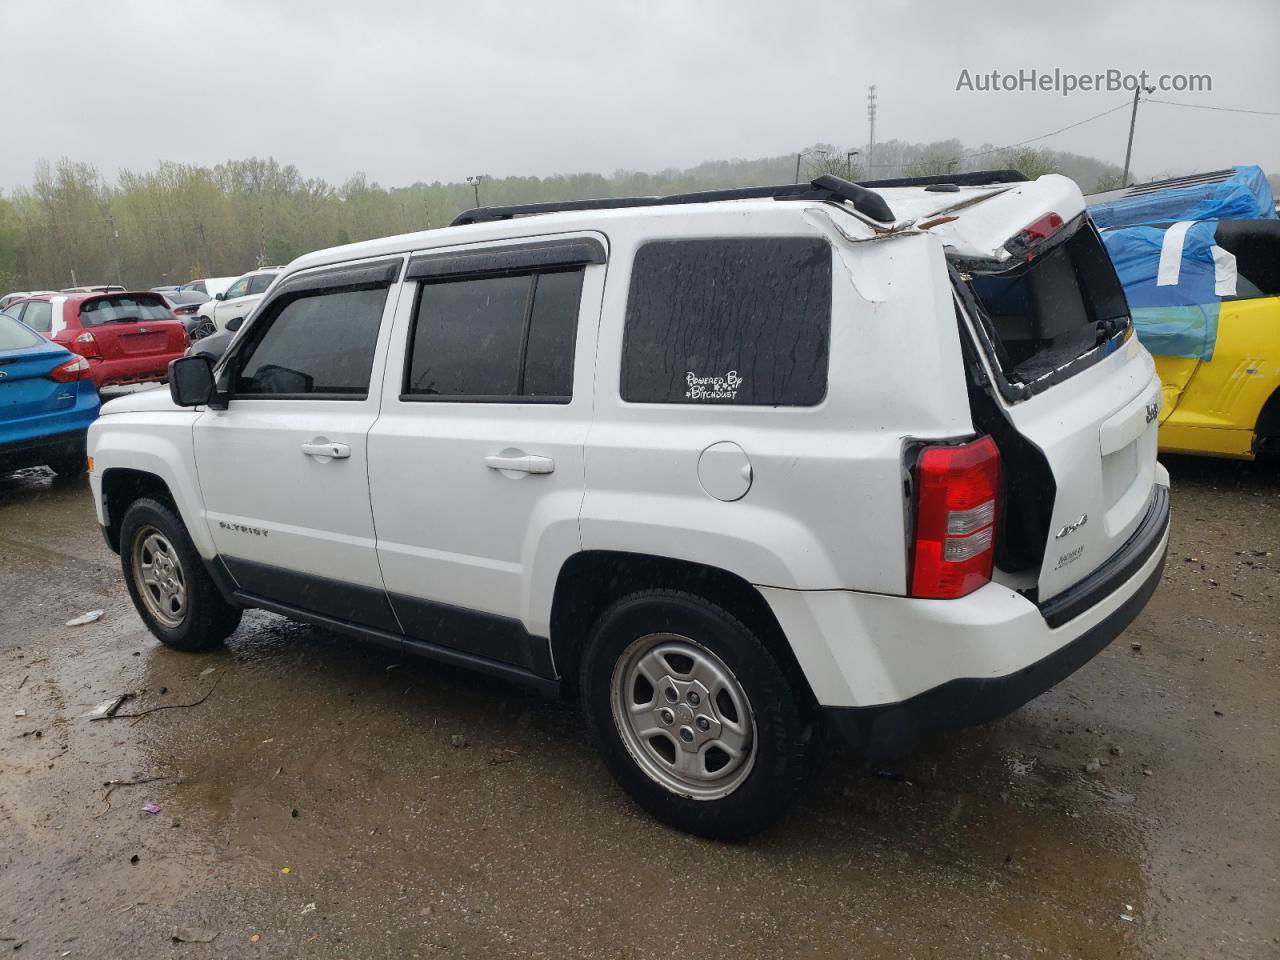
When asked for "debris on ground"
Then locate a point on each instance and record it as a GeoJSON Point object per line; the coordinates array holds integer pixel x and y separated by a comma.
{"type": "Point", "coordinates": [1136, 646]}
{"type": "Point", "coordinates": [255, 938]}
{"type": "Point", "coordinates": [91, 617]}
{"type": "Point", "coordinates": [458, 740]}
{"type": "Point", "coordinates": [208, 670]}
{"type": "Point", "coordinates": [193, 935]}
{"type": "Point", "coordinates": [19, 713]}
{"type": "Point", "coordinates": [284, 871]}
{"type": "Point", "coordinates": [151, 808]}
{"type": "Point", "coordinates": [108, 708]}
{"type": "Point", "coordinates": [503, 755]}
{"type": "Point", "coordinates": [307, 909]}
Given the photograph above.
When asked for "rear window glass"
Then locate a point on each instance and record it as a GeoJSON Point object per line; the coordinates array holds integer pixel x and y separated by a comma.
{"type": "Point", "coordinates": [130, 309]}
{"type": "Point", "coordinates": [739, 321]}
{"type": "Point", "coordinates": [15, 336]}
{"type": "Point", "coordinates": [1052, 310]}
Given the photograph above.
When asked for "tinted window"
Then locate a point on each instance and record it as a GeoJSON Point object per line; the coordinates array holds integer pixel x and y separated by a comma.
{"type": "Point", "coordinates": [738, 321]}
{"type": "Point", "coordinates": [123, 310]}
{"type": "Point", "coordinates": [259, 283]}
{"type": "Point", "coordinates": [319, 344]}
{"type": "Point", "coordinates": [471, 336]}
{"type": "Point", "coordinates": [553, 332]}
{"type": "Point", "coordinates": [39, 316]}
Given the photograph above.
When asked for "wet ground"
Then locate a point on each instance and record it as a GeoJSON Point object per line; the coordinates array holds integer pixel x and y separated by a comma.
{"type": "Point", "coordinates": [327, 799]}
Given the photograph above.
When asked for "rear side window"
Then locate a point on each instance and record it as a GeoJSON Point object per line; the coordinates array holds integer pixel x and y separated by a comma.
{"type": "Point", "coordinates": [509, 338]}
{"type": "Point", "coordinates": [315, 345]}
{"type": "Point", "coordinates": [39, 316]}
{"type": "Point", "coordinates": [739, 321]}
{"type": "Point", "coordinates": [123, 310]}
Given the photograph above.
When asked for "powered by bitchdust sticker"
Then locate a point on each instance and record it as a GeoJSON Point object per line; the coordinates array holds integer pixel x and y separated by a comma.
{"type": "Point", "coordinates": [712, 388]}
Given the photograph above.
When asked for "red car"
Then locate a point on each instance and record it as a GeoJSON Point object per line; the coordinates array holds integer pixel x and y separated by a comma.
{"type": "Point", "coordinates": [126, 337]}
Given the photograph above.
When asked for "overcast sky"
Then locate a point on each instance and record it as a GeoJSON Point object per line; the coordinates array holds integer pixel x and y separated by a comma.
{"type": "Point", "coordinates": [409, 90]}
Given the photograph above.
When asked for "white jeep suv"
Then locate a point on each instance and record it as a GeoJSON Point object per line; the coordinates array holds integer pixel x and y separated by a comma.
{"type": "Point", "coordinates": [725, 467]}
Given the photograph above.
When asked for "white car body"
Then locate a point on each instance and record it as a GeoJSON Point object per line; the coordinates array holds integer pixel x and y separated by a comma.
{"type": "Point", "coordinates": [239, 298]}
{"type": "Point", "coordinates": [804, 505]}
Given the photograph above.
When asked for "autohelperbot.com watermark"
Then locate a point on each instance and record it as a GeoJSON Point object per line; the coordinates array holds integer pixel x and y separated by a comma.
{"type": "Point", "coordinates": [1066, 82]}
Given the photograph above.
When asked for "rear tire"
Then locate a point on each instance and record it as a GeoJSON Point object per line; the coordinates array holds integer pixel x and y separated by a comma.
{"type": "Point", "coordinates": [170, 588]}
{"type": "Point", "coordinates": [664, 668]}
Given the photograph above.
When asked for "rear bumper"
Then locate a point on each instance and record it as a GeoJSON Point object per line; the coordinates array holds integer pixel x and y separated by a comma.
{"type": "Point", "coordinates": [40, 451]}
{"type": "Point", "coordinates": [152, 368]}
{"type": "Point", "coordinates": [892, 729]}
{"type": "Point", "coordinates": [887, 669]}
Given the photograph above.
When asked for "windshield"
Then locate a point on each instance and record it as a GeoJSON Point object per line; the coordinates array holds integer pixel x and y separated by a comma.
{"type": "Point", "coordinates": [124, 309]}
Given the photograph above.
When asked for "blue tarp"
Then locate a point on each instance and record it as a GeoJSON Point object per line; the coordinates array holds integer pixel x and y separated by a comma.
{"type": "Point", "coordinates": [1180, 317]}
{"type": "Point", "coordinates": [1245, 196]}
{"type": "Point", "coordinates": [1175, 320]}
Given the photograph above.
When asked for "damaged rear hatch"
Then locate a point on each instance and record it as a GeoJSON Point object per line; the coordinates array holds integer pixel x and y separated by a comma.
{"type": "Point", "coordinates": [1054, 353]}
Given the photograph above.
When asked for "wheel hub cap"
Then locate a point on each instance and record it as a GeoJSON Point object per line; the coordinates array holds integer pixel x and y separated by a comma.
{"type": "Point", "coordinates": [683, 716]}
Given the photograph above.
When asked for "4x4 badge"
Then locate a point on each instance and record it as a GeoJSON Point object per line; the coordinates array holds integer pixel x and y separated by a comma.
{"type": "Point", "coordinates": [1153, 410]}
{"type": "Point", "coordinates": [1071, 528]}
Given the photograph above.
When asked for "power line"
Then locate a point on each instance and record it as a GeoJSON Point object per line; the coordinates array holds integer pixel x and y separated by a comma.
{"type": "Point", "coordinates": [1205, 106]}
{"type": "Point", "coordinates": [1043, 136]}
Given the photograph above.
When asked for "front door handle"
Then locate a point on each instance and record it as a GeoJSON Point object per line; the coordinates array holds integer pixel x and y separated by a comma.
{"type": "Point", "coordinates": [520, 463]}
{"type": "Point", "coordinates": [326, 450]}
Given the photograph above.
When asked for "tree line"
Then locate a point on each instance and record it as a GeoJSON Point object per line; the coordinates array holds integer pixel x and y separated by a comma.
{"type": "Point", "coordinates": [185, 221]}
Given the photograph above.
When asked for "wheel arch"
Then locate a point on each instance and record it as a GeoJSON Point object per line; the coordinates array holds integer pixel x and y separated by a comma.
{"type": "Point", "coordinates": [1266, 433]}
{"type": "Point", "coordinates": [589, 581]}
{"type": "Point", "coordinates": [121, 486]}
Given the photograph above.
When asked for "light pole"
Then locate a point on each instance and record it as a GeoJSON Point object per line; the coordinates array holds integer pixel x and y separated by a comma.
{"type": "Point", "coordinates": [475, 185]}
{"type": "Point", "coordinates": [848, 163]}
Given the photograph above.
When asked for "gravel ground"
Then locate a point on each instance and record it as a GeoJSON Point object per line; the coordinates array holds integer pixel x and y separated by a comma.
{"type": "Point", "coordinates": [328, 799]}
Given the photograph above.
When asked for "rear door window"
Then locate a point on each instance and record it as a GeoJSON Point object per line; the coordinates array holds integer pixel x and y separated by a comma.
{"type": "Point", "coordinates": [39, 316]}
{"type": "Point", "coordinates": [508, 337]}
{"type": "Point", "coordinates": [259, 283]}
{"type": "Point", "coordinates": [738, 321]}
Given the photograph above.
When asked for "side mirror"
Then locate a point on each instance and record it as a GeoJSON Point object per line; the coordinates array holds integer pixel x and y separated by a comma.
{"type": "Point", "coordinates": [220, 296]}
{"type": "Point", "coordinates": [191, 381]}
{"type": "Point", "coordinates": [235, 324]}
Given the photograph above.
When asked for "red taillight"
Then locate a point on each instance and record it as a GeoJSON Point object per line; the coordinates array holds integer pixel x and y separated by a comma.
{"type": "Point", "coordinates": [86, 345]}
{"type": "Point", "coordinates": [956, 503]}
{"type": "Point", "coordinates": [1042, 229]}
{"type": "Point", "coordinates": [1030, 238]}
{"type": "Point", "coordinates": [77, 368]}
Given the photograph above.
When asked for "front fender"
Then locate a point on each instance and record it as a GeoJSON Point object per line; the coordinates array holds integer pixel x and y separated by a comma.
{"type": "Point", "coordinates": [159, 444]}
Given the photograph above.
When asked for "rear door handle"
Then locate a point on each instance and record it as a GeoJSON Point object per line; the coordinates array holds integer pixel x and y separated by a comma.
{"type": "Point", "coordinates": [327, 450]}
{"type": "Point", "coordinates": [520, 464]}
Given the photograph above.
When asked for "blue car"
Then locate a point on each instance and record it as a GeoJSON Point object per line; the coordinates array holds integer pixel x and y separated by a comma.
{"type": "Point", "coordinates": [47, 402]}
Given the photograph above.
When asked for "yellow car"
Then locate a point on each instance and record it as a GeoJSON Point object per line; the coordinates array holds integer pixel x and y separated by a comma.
{"type": "Point", "coordinates": [1229, 406]}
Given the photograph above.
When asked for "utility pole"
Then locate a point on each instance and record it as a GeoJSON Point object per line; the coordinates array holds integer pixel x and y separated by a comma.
{"type": "Point", "coordinates": [848, 163]}
{"type": "Point", "coordinates": [1133, 121]}
{"type": "Point", "coordinates": [798, 156]}
{"type": "Point", "coordinates": [871, 118]}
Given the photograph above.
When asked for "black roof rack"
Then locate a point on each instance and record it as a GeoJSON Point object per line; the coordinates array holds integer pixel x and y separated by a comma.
{"type": "Point", "coordinates": [976, 178]}
{"type": "Point", "coordinates": [1195, 179]}
{"type": "Point", "coordinates": [827, 188]}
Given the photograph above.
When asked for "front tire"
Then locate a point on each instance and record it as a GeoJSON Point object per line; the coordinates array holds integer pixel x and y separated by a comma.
{"type": "Point", "coordinates": [693, 715]}
{"type": "Point", "coordinates": [170, 588]}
